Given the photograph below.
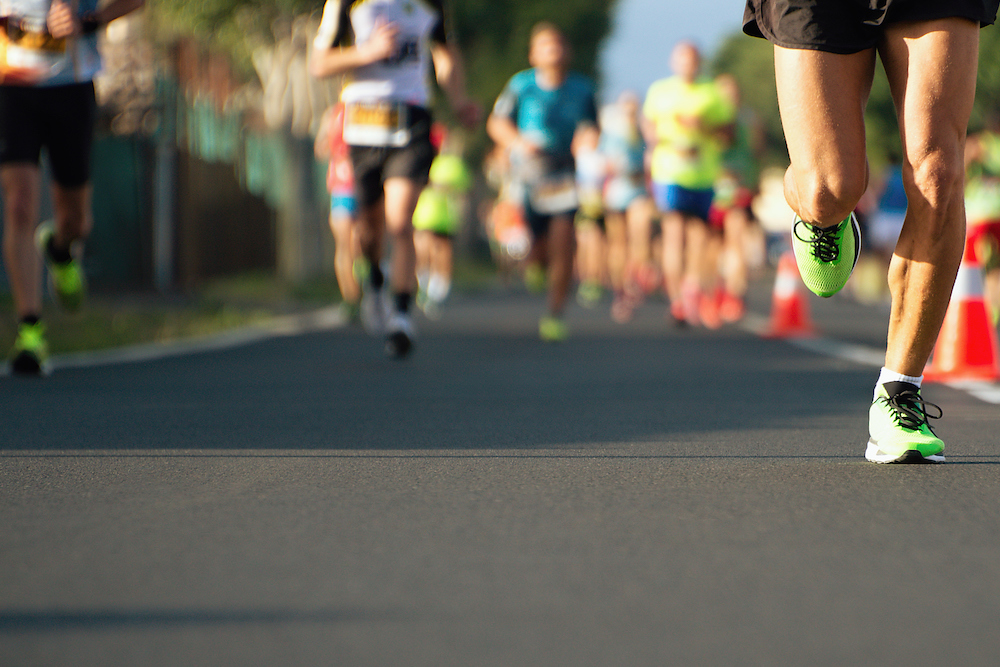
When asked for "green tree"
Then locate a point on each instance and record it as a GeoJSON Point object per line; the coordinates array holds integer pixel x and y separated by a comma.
{"type": "Point", "coordinates": [492, 34]}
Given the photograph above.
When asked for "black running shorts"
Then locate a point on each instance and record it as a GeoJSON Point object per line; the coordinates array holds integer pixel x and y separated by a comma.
{"type": "Point", "coordinates": [849, 26]}
{"type": "Point", "coordinates": [58, 118]}
{"type": "Point", "coordinates": [374, 164]}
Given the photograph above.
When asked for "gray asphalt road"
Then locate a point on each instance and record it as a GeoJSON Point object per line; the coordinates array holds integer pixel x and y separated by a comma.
{"type": "Point", "coordinates": [635, 496]}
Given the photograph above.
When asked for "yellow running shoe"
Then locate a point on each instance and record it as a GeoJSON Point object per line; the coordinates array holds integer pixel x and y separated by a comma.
{"type": "Point", "coordinates": [897, 423]}
{"type": "Point", "coordinates": [552, 329]}
{"type": "Point", "coordinates": [66, 279]}
{"type": "Point", "coordinates": [826, 256]}
{"type": "Point", "coordinates": [30, 354]}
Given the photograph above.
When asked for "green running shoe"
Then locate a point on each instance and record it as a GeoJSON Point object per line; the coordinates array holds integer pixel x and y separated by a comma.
{"type": "Point", "coordinates": [552, 329]}
{"type": "Point", "coordinates": [30, 354]}
{"type": "Point", "coordinates": [535, 278]}
{"type": "Point", "coordinates": [66, 279]}
{"type": "Point", "coordinates": [826, 256]}
{"type": "Point", "coordinates": [897, 422]}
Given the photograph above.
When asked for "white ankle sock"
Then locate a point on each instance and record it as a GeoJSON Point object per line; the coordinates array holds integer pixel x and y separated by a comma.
{"type": "Point", "coordinates": [892, 376]}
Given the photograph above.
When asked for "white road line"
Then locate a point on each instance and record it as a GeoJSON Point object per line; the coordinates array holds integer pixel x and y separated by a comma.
{"type": "Point", "coordinates": [987, 392]}
{"type": "Point", "coordinates": [288, 325]}
{"type": "Point", "coordinates": [331, 318]}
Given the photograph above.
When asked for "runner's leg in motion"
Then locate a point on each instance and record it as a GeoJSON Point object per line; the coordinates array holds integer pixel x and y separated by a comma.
{"type": "Point", "coordinates": [822, 97]}
{"type": "Point", "coordinates": [932, 74]}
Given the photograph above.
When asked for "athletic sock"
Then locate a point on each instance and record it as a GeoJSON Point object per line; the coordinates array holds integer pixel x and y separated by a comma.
{"type": "Point", "coordinates": [438, 287]}
{"type": "Point", "coordinates": [376, 277]}
{"type": "Point", "coordinates": [57, 254]}
{"type": "Point", "coordinates": [402, 302]}
{"type": "Point", "coordinates": [886, 376]}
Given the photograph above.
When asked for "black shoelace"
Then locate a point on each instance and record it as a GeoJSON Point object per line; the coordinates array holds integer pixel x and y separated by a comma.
{"type": "Point", "coordinates": [824, 241]}
{"type": "Point", "coordinates": [911, 410]}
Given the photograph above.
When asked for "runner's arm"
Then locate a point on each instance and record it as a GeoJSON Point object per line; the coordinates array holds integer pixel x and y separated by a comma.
{"type": "Point", "coordinates": [501, 125]}
{"type": "Point", "coordinates": [63, 22]}
{"type": "Point", "coordinates": [330, 60]}
{"type": "Point", "coordinates": [450, 72]}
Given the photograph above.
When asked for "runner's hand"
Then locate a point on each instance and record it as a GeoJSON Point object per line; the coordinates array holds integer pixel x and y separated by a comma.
{"type": "Point", "coordinates": [62, 22]}
{"type": "Point", "coordinates": [382, 42]}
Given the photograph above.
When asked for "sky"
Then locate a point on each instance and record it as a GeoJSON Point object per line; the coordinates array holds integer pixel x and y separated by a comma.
{"type": "Point", "coordinates": [644, 31]}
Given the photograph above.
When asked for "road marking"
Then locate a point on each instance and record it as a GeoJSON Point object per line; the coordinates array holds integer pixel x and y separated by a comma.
{"type": "Point", "coordinates": [331, 318]}
{"type": "Point", "coordinates": [987, 392]}
{"type": "Point", "coordinates": [287, 325]}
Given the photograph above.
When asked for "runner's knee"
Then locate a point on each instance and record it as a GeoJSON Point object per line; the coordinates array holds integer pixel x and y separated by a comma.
{"type": "Point", "coordinates": [827, 199]}
{"type": "Point", "coordinates": [936, 180]}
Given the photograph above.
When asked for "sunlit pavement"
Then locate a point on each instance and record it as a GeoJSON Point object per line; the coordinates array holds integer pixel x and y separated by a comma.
{"type": "Point", "coordinates": [636, 495]}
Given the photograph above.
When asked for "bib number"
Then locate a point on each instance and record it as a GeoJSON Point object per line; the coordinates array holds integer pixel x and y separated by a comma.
{"type": "Point", "coordinates": [555, 193]}
{"type": "Point", "coordinates": [376, 124]}
{"type": "Point", "coordinates": [29, 51]}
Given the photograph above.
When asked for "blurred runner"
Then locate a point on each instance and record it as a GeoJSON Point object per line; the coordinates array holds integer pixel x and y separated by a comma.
{"type": "Point", "coordinates": [982, 205]}
{"type": "Point", "coordinates": [591, 246]}
{"type": "Point", "coordinates": [535, 119]}
{"type": "Point", "coordinates": [731, 217]}
{"type": "Point", "coordinates": [510, 238]}
{"type": "Point", "coordinates": [436, 220]}
{"type": "Point", "coordinates": [628, 210]}
{"type": "Point", "coordinates": [387, 46]}
{"type": "Point", "coordinates": [686, 121]}
{"type": "Point", "coordinates": [347, 259]}
{"type": "Point", "coordinates": [49, 60]}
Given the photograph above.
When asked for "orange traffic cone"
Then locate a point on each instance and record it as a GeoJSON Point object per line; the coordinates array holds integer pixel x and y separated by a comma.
{"type": "Point", "coordinates": [789, 308]}
{"type": "Point", "coordinates": [967, 347]}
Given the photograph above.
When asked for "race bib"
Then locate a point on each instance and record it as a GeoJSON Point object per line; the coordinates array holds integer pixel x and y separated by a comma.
{"type": "Point", "coordinates": [28, 53]}
{"type": "Point", "coordinates": [376, 124]}
{"type": "Point", "coordinates": [555, 193]}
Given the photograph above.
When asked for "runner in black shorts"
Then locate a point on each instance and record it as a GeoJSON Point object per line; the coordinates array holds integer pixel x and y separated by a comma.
{"type": "Point", "coordinates": [824, 58]}
{"type": "Point", "coordinates": [387, 47]}
{"type": "Point", "coordinates": [374, 164]}
{"type": "Point", "coordinates": [47, 102]}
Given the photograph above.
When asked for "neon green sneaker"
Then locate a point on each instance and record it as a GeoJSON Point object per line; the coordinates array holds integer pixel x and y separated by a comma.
{"type": "Point", "coordinates": [66, 279]}
{"type": "Point", "coordinates": [361, 269]}
{"type": "Point", "coordinates": [899, 429]}
{"type": "Point", "coordinates": [826, 256]}
{"type": "Point", "coordinates": [30, 354]}
{"type": "Point", "coordinates": [535, 278]}
{"type": "Point", "coordinates": [589, 294]}
{"type": "Point", "coordinates": [552, 329]}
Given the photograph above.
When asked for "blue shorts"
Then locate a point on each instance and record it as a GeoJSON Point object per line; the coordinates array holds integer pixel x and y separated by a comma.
{"type": "Point", "coordinates": [669, 197]}
{"type": "Point", "coordinates": [343, 205]}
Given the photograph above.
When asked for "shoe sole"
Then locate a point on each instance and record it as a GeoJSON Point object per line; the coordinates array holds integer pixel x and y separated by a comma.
{"type": "Point", "coordinates": [876, 455]}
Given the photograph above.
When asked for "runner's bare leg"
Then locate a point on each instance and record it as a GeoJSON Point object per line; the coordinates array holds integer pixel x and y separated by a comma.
{"type": "Point", "coordinates": [21, 189]}
{"type": "Point", "coordinates": [401, 196]}
{"type": "Point", "coordinates": [932, 73]}
{"type": "Point", "coordinates": [822, 97]}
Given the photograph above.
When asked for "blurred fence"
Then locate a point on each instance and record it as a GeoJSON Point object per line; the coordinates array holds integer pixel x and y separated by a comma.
{"type": "Point", "coordinates": [198, 175]}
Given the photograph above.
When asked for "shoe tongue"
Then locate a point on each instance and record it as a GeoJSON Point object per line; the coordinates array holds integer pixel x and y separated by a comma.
{"type": "Point", "coordinates": [896, 388]}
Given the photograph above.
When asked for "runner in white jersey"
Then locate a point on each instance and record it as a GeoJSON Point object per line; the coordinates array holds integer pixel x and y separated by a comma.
{"type": "Point", "coordinates": [386, 48]}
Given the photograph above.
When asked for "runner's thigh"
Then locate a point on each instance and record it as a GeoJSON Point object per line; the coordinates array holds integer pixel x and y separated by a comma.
{"type": "Point", "coordinates": [931, 68]}
{"type": "Point", "coordinates": [821, 97]}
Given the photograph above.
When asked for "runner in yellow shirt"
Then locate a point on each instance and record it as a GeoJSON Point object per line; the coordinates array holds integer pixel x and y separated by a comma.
{"type": "Point", "coordinates": [686, 120]}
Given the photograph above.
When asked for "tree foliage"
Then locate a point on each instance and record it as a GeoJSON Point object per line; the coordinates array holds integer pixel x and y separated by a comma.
{"type": "Point", "coordinates": [492, 34]}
